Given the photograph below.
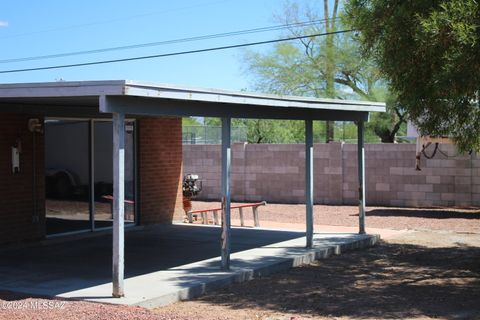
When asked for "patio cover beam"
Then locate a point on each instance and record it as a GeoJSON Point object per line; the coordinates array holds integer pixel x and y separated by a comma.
{"type": "Point", "coordinates": [51, 110]}
{"type": "Point", "coordinates": [131, 105]}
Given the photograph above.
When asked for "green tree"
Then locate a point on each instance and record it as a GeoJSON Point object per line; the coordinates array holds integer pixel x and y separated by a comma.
{"type": "Point", "coordinates": [387, 125]}
{"type": "Point", "coordinates": [273, 131]}
{"type": "Point", "coordinates": [332, 66]}
{"type": "Point", "coordinates": [190, 121]}
{"type": "Point", "coordinates": [430, 53]}
{"type": "Point", "coordinates": [280, 131]}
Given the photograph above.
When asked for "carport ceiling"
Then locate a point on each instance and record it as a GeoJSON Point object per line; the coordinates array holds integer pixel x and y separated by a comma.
{"type": "Point", "coordinates": [95, 98]}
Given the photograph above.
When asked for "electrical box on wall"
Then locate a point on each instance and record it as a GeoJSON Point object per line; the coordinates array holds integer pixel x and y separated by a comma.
{"type": "Point", "coordinates": [15, 160]}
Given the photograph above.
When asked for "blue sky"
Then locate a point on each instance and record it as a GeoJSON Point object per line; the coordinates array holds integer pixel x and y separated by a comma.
{"type": "Point", "coordinates": [35, 28]}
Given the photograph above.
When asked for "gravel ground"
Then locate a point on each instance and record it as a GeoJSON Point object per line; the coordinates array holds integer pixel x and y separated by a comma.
{"type": "Point", "coordinates": [418, 275]}
{"type": "Point", "coordinates": [453, 219]}
{"type": "Point", "coordinates": [15, 307]}
{"type": "Point", "coordinates": [425, 274]}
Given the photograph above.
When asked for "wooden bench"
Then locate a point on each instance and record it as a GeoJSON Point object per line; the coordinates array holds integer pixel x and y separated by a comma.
{"type": "Point", "coordinates": [240, 208]}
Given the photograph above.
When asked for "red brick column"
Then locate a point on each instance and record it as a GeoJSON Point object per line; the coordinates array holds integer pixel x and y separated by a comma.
{"type": "Point", "coordinates": [160, 169]}
{"type": "Point", "coordinates": [18, 221]}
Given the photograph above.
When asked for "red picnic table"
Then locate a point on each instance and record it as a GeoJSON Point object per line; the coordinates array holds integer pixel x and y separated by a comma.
{"type": "Point", "coordinates": [240, 207]}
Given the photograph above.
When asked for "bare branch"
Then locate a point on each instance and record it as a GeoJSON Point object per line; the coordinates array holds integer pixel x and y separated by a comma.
{"type": "Point", "coordinates": [349, 83]}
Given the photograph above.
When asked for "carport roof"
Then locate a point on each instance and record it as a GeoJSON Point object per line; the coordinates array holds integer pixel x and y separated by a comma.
{"type": "Point", "coordinates": [66, 98]}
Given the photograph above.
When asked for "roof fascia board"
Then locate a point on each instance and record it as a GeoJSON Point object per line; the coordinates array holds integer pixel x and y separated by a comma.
{"type": "Point", "coordinates": [62, 89]}
{"type": "Point", "coordinates": [166, 87]}
{"type": "Point", "coordinates": [252, 99]}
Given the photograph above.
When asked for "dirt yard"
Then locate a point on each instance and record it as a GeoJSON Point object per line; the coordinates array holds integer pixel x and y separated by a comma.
{"type": "Point", "coordinates": [453, 219]}
{"type": "Point", "coordinates": [431, 271]}
{"type": "Point", "coordinates": [419, 275]}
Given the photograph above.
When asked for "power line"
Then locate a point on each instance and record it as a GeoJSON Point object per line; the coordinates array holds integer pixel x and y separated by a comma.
{"type": "Point", "coordinates": [163, 55]}
{"type": "Point", "coordinates": [94, 23]}
{"type": "Point", "coordinates": [174, 41]}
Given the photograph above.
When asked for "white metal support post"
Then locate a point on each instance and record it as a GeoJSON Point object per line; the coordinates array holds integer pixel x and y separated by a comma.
{"type": "Point", "coordinates": [118, 203]}
{"type": "Point", "coordinates": [361, 177]}
{"type": "Point", "coordinates": [226, 158]}
{"type": "Point", "coordinates": [309, 180]}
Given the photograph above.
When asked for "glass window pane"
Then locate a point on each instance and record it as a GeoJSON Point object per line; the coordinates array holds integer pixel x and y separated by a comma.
{"type": "Point", "coordinates": [66, 176]}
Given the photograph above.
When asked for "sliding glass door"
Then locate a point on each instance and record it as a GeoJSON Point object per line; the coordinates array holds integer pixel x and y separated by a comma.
{"type": "Point", "coordinates": [78, 174]}
{"type": "Point", "coordinates": [66, 176]}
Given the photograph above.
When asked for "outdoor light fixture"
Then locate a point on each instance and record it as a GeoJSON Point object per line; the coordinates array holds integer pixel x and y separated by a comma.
{"type": "Point", "coordinates": [35, 125]}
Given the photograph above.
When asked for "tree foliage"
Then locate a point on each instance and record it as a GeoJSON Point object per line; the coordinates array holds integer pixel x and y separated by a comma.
{"type": "Point", "coordinates": [430, 53]}
{"type": "Point", "coordinates": [386, 125]}
{"type": "Point", "coordinates": [328, 66]}
{"type": "Point", "coordinates": [331, 66]}
{"type": "Point", "coordinates": [273, 131]}
{"type": "Point", "coordinates": [190, 121]}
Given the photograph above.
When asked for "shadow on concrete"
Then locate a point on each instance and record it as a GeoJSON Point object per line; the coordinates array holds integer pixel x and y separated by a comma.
{"type": "Point", "coordinates": [426, 213]}
{"type": "Point", "coordinates": [76, 264]}
{"type": "Point", "coordinates": [390, 281]}
{"type": "Point", "coordinates": [59, 225]}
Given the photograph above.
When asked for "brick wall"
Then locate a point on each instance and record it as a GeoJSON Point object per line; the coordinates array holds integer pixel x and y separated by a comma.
{"type": "Point", "coordinates": [275, 173]}
{"type": "Point", "coordinates": [17, 216]}
{"type": "Point", "coordinates": [160, 169]}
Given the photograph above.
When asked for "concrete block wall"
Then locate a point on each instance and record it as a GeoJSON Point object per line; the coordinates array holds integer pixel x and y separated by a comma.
{"type": "Point", "coordinates": [18, 220]}
{"type": "Point", "coordinates": [445, 180]}
{"type": "Point", "coordinates": [275, 173]}
{"type": "Point", "coordinates": [160, 169]}
{"type": "Point", "coordinates": [272, 172]}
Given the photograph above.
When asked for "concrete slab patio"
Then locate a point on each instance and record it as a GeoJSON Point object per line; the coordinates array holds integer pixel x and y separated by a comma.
{"type": "Point", "coordinates": [163, 264]}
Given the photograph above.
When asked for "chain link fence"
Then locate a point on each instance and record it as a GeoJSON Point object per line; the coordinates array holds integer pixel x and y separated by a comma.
{"type": "Point", "coordinates": [343, 131]}
{"type": "Point", "coordinates": [211, 134]}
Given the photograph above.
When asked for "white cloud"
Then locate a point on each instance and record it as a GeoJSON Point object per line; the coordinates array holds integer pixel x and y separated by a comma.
{"type": "Point", "coordinates": [3, 23]}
